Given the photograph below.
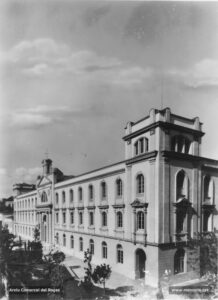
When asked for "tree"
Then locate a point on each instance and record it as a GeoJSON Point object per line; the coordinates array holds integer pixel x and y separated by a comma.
{"type": "Point", "coordinates": [6, 245]}
{"type": "Point", "coordinates": [88, 269]}
{"type": "Point", "coordinates": [203, 253]}
{"type": "Point", "coordinates": [36, 233]}
{"type": "Point", "coordinates": [56, 271]}
{"type": "Point", "coordinates": [101, 274]}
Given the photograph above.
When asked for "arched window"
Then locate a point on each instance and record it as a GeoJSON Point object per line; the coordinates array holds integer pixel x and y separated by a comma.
{"type": "Point", "coordinates": [80, 218]}
{"type": "Point", "coordinates": [119, 254]}
{"type": "Point", "coordinates": [56, 198]}
{"type": "Point", "coordinates": [80, 244]}
{"type": "Point", "coordinates": [64, 240]}
{"type": "Point", "coordinates": [179, 261]}
{"type": "Point", "coordinates": [119, 187]}
{"type": "Point", "coordinates": [141, 146]}
{"type": "Point", "coordinates": [140, 220]}
{"type": "Point", "coordinates": [104, 250]}
{"type": "Point", "coordinates": [63, 197]}
{"type": "Point", "coordinates": [140, 184]}
{"type": "Point", "coordinates": [91, 218]}
{"type": "Point", "coordinates": [44, 197]}
{"type": "Point", "coordinates": [72, 241]}
{"type": "Point", "coordinates": [71, 196]}
{"type": "Point", "coordinates": [80, 191]}
{"type": "Point", "coordinates": [91, 194]}
{"type": "Point", "coordinates": [103, 190]}
{"type": "Point", "coordinates": [119, 219]}
{"type": "Point", "coordinates": [91, 247]}
{"type": "Point", "coordinates": [182, 185]}
{"type": "Point", "coordinates": [208, 190]}
{"type": "Point", "coordinates": [180, 144]}
{"type": "Point", "coordinates": [104, 219]}
{"type": "Point", "coordinates": [57, 238]}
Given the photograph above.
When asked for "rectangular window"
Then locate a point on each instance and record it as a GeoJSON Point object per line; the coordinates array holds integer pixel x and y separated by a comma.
{"type": "Point", "coordinates": [72, 217]}
{"type": "Point", "coordinates": [57, 217]}
{"type": "Point", "coordinates": [64, 218]}
{"type": "Point", "coordinates": [120, 256]}
{"type": "Point", "coordinates": [91, 218]}
{"type": "Point", "coordinates": [104, 254]}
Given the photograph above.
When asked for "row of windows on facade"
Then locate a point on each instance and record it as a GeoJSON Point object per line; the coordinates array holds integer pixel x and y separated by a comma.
{"type": "Point", "coordinates": [178, 257]}
{"type": "Point", "coordinates": [179, 143]}
{"type": "Point", "coordinates": [24, 216]}
{"type": "Point", "coordinates": [104, 247]}
{"type": "Point", "coordinates": [182, 187]}
{"type": "Point", "coordinates": [119, 190]}
{"type": "Point", "coordinates": [25, 230]}
{"type": "Point", "coordinates": [104, 219]}
{"type": "Point", "coordinates": [26, 203]}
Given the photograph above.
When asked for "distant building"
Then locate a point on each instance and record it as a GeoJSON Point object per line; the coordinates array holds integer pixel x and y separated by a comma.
{"type": "Point", "coordinates": [137, 214]}
{"type": "Point", "coordinates": [6, 212]}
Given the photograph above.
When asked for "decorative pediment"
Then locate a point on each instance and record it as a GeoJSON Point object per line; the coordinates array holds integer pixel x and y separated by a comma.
{"type": "Point", "coordinates": [44, 181]}
{"type": "Point", "coordinates": [138, 203]}
{"type": "Point", "coordinates": [103, 206]}
{"type": "Point", "coordinates": [118, 206]}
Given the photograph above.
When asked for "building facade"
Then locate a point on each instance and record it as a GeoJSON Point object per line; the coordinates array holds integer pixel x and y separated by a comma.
{"type": "Point", "coordinates": [135, 215]}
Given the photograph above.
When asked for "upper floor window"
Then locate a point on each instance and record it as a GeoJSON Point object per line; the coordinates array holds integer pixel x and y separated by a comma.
{"type": "Point", "coordinates": [180, 144]}
{"type": "Point", "coordinates": [104, 219]}
{"type": "Point", "coordinates": [104, 250]}
{"type": "Point", "coordinates": [182, 185]}
{"type": "Point", "coordinates": [91, 247]}
{"type": "Point", "coordinates": [91, 192]}
{"type": "Point", "coordinates": [71, 195]}
{"type": "Point", "coordinates": [140, 220]}
{"type": "Point", "coordinates": [103, 190]}
{"type": "Point", "coordinates": [44, 197]}
{"type": "Point", "coordinates": [119, 219]}
{"type": "Point", "coordinates": [91, 218]}
{"type": "Point", "coordinates": [72, 217]}
{"type": "Point", "coordinates": [63, 197]}
{"type": "Point", "coordinates": [208, 190]}
{"type": "Point", "coordinates": [141, 146]}
{"type": "Point", "coordinates": [119, 254]}
{"type": "Point", "coordinates": [80, 218]}
{"type": "Point", "coordinates": [119, 187]}
{"type": "Point", "coordinates": [56, 198]}
{"type": "Point", "coordinates": [140, 184]}
{"type": "Point", "coordinates": [80, 191]}
{"type": "Point", "coordinates": [57, 218]}
{"type": "Point", "coordinates": [64, 217]}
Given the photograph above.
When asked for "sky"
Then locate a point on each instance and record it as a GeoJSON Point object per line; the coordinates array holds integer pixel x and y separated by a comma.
{"type": "Point", "coordinates": [73, 73]}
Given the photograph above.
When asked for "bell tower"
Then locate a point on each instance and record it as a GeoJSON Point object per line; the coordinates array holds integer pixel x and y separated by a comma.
{"type": "Point", "coordinates": [47, 166]}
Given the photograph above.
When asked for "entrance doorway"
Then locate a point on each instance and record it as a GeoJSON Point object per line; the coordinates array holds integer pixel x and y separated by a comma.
{"type": "Point", "coordinates": [140, 263]}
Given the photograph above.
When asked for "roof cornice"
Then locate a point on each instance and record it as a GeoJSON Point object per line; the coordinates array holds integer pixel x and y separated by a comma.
{"type": "Point", "coordinates": [164, 125]}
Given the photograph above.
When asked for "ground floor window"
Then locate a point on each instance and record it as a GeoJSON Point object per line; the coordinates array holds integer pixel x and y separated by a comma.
{"type": "Point", "coordinates": [72, 241]}
{"type": "Point", "coordinates": [179, 261]}
{"type": "Point", "coordinates": [119, 254]}
{"type": "Point", "coordinates": [64, 240]}
{"type": "Point", "coordinates": [91, 247]}
{"type": "Point", "coordinates": [80, 244]}
{"type": "Point", "coordinates": [104, 250]}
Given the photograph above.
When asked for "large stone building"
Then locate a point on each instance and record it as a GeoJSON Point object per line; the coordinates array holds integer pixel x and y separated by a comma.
{"type": "Point", "coordinates": [137, 214]}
